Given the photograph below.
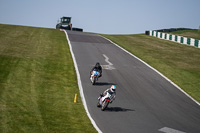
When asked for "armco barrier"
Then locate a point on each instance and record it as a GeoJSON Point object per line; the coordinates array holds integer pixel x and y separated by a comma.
{"type": "Point", "coordinates": [175, 38]}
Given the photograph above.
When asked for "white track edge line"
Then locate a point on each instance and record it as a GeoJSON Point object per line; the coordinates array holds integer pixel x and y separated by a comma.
{"type": "Point", "coordinates": [80, 86]}
{"type": "Point", "coordinates": [155, 71]}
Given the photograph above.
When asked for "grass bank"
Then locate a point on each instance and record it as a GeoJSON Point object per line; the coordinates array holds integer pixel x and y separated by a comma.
{"type": "Point", "coordinates": [38, 83]}
{"type": "Point", "coordinates": [178, 62]}
{"type": "Point", "coordinates": [188, 33]}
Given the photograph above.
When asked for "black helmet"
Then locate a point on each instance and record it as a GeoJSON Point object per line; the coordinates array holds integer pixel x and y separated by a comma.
{"type": "Point", "coordinates": [97, 64]}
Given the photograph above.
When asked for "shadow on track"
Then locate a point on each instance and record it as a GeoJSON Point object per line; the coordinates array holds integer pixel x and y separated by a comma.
{"type": "Point", "coordinates": [103, 83]}
{"type": "Point", "coordinates": [117, 109]}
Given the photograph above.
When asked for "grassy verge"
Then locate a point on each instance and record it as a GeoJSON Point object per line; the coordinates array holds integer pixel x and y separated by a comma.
{"type": "Point", "coordinates": [38, 83]}
{"type": "Point", "coordinates": [178, 62]}
{"type": "Point", "coordinates": [188, 33]}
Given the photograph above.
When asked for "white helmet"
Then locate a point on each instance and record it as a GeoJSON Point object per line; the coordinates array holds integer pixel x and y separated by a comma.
{"type": "Point", "coordinates": [113, 88]}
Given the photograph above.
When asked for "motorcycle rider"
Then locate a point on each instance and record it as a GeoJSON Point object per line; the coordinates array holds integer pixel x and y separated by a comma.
{"type": "Point", "coordinates": [97, 68]}
{"type": "Point", "coordinates": [112, 91]}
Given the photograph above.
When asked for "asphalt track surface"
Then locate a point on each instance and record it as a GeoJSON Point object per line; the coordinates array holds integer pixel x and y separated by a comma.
{"type": "Point", "coordinates": [145, 101]}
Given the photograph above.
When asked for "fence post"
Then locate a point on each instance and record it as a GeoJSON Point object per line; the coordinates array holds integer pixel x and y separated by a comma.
{"type": "Point", "coordinates": [170, 37]}
{"type": "Point", "coordinates": [150, 32]}
{"type": "Point", "coordinates": [161, 34]}
{"type": "Point", "coordinates": [158, 35]}
{"type": "Point", "coordinates": [184, 40]}
{"type": "Point", "coordinates": [196, 42]}
{"type": "Point", "coordinates": [178, 39]}
{"type": "Point", "coordinates": [192, 41]}
{"type": "Point", "coordinates": [188, 41]}
{"type": "Point", "coordinates": [199, 44]}
{"type": "Point", "coordinates": [173, 38]}
{"type": "Point", "coordinates": [181, 39]}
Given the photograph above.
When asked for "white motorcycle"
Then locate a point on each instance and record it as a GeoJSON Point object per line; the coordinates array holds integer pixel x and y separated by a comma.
{"type": "Point", "coordinates": [103, 101]}
{"type": "Point", "coordinates": [94, 76]}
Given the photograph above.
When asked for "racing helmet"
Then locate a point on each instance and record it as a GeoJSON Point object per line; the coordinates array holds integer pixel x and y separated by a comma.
{"type": "Point", "coordinates": [97, 64]}
{"type": "Point", "coordinates": [113, 88]}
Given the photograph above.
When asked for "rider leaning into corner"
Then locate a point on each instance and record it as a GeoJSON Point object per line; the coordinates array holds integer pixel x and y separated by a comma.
{"type": "Point", "coordinates": [112, 91]}
{"type": "Point", "coordinates": [97, 68]}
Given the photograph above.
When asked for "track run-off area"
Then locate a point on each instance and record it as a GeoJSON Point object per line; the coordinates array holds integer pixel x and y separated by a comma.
{"type": "Point", "coordinates": [146, 102]}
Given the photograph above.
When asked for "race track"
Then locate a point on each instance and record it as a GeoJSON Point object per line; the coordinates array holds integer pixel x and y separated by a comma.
{"type": "Point", "coordinates": [145, 101]}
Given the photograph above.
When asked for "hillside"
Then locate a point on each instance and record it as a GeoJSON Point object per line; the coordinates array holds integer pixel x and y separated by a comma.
{"type": "Point", "coordinates": [38, 83]}
{"type": "Point", "coordinates": [38, 80]}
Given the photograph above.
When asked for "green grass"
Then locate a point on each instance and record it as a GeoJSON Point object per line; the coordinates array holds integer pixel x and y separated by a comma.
{"type": "Point", "coordinates": [178, 62]}
{"type": "Point", "coordinates": [188, 33]}
{"type": "Point", "coordinates": [38, 83]}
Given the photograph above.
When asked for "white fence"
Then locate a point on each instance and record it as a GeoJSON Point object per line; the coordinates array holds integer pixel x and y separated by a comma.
{"type": "Point", "coordinates": [175, 38]}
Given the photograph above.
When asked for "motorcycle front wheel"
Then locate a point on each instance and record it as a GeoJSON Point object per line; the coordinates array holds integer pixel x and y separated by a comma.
{"type": "Point", "coordinates": [104, 105]}
{"type": "Point", "coordinates": [98, 104]}
{"type": "Point", "coordinates": [94, 80]}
